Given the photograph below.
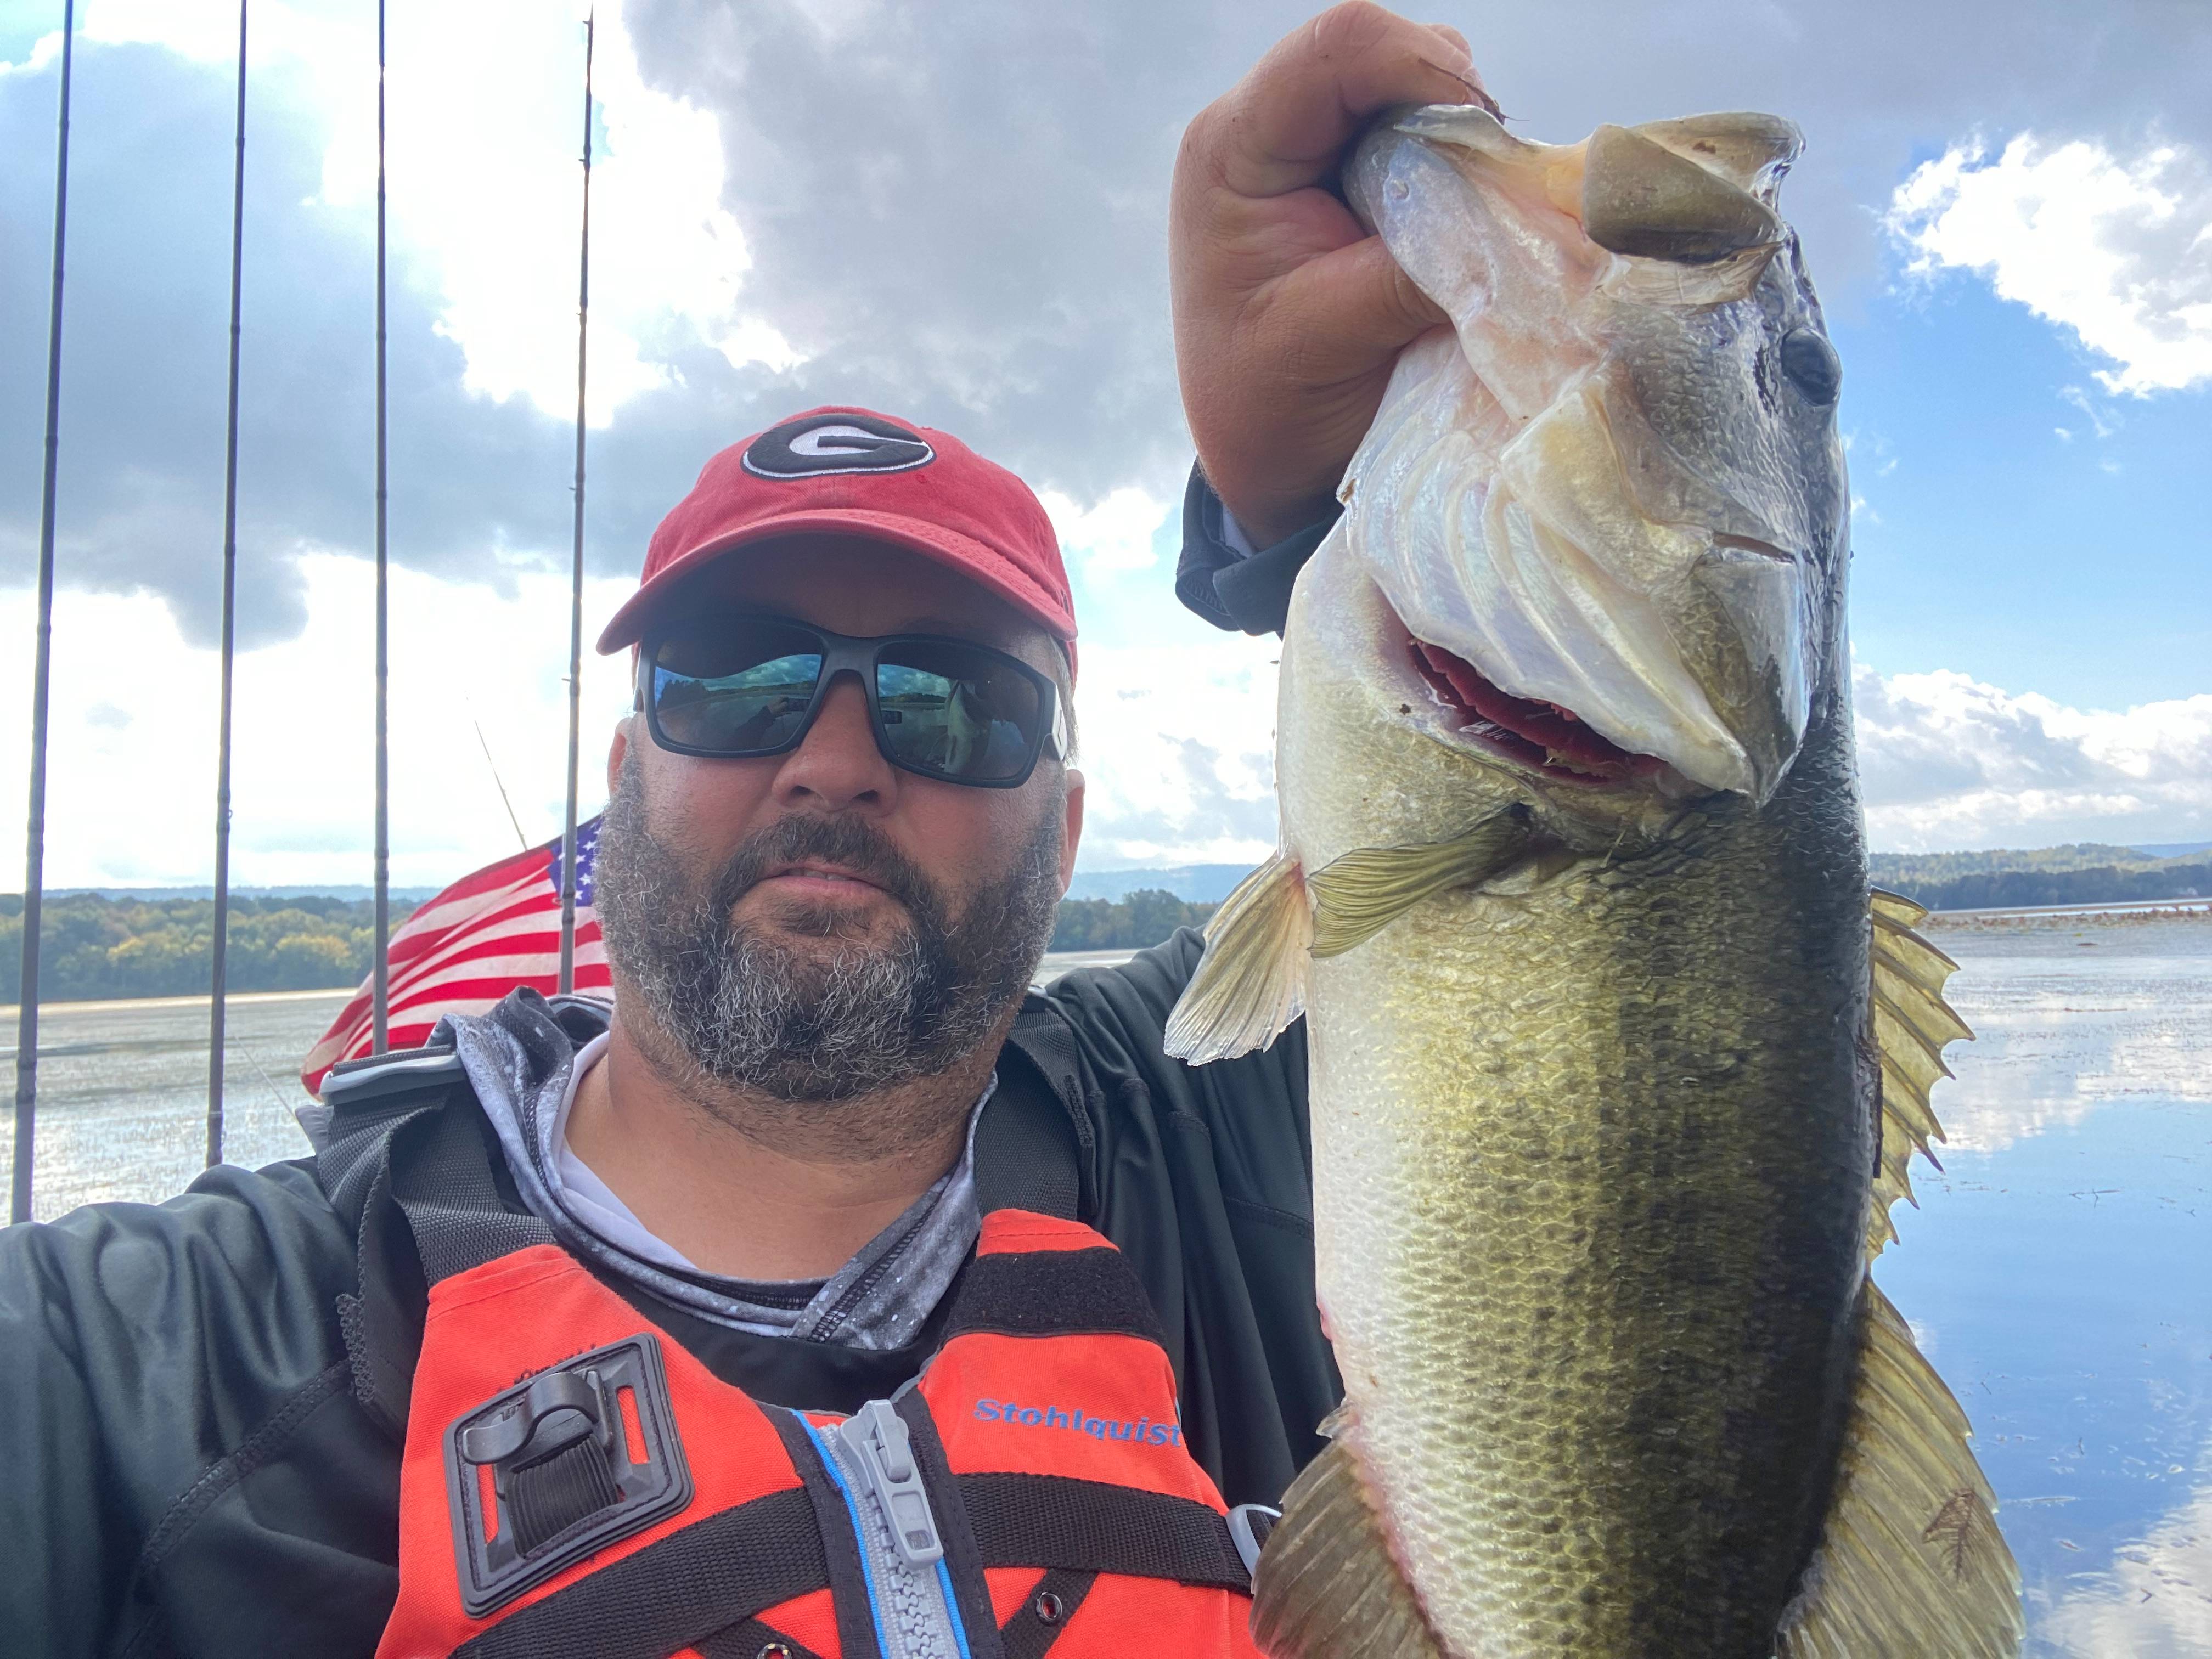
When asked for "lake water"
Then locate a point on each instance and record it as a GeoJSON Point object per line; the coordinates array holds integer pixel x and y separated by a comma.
{"type": "Point", "coordinates": [2058, 1272]}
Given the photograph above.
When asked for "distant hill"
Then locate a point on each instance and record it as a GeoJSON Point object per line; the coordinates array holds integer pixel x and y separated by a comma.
{"type": "Point", "coordinates": [2082, 874]}
{"type": "Point", "coordinates": [1891, 869]}
{"type": "Point", "coordinates": [2175, 849]}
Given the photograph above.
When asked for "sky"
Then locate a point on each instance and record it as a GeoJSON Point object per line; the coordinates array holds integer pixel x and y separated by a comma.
{"type": "Point", "coordinates": [957, 215]}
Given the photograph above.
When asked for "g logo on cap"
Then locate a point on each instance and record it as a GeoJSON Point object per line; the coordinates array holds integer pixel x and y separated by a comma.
{"type": "Point", "coordinates": [815, 445]}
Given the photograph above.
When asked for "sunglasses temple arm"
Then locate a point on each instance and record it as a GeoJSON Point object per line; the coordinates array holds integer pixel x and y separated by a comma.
{"type": "Point", "coordinates": [1060, 743]}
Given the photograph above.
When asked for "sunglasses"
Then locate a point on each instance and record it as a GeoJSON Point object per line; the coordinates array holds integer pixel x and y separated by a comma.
{"type": "Point", "coordinates": [945, 708]}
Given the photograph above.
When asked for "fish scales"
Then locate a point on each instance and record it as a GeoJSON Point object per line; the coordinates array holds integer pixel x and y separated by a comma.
{"type": "Point", "coordinates": [1572, 892]}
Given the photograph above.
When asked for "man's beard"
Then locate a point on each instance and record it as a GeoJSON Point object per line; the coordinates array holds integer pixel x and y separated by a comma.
{"type": "Point", "coordinates": [744, 1009]}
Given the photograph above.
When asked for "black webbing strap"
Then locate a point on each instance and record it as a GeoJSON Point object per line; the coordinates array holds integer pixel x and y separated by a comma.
{"type": "Point", "coordinates": [445, 1188]}
{"type": "Point", "coordinates": [674, 1593]}
{"type": "Point", "coordinates": [1088, 1526]}
{"type": "Point", "coordinates": [754, 1640]}
{"type": "Point", "coordinates": [1032, 1628]}
{"type": "Point", "coordinates": [1052, 1293]}
{"type": "Point", "coordinates": [1034, 1147]}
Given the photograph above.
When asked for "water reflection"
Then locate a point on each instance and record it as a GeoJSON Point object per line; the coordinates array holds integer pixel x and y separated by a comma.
{"type": "Point", "coordinates": [2060, 1273]}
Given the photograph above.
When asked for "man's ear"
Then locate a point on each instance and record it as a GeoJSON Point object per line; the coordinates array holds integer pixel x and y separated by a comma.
{"type": "Point", "coordinates": [1072, 830]}
{"type": "Point", "coordinates": [616, 751]}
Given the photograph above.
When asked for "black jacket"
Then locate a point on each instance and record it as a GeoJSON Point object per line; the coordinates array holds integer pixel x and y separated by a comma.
{"type": "Point", "coordinates": [201, 1401]}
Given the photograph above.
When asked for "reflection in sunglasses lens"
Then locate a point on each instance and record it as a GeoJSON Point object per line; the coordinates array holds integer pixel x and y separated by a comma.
{"type": "Point", "coordinates": [741, 691]}
{"type": "Point", "coordinates": [956, 711]}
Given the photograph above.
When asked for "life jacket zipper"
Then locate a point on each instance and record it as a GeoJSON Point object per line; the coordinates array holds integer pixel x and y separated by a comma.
{"type": "Point", "coordinates": [871, 1457]}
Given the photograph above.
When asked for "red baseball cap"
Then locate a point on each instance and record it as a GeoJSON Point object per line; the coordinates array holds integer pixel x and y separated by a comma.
{"type": "Point", "coordinates": [853, 471]}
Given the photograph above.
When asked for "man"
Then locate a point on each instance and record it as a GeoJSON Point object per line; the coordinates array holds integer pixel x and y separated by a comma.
{"type": "Point", "coordinates": [834, 1294]}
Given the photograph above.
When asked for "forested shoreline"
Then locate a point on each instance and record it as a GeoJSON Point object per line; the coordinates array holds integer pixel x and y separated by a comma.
{"type": "Point", "coordinates": [99, 947]}
{"type": "Point", "coordinates": [95, 948]}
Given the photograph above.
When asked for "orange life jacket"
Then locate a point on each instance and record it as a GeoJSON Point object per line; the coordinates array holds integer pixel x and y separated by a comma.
{"type": "Point", "coordinates": [575, 1483]}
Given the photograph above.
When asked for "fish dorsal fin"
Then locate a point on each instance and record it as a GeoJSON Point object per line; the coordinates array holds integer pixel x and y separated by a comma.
{"type": "Point", "coordinates": [1909, 1560]}
{"type": "Point", "coordinates": [1327, 1587]}
{"type": "Point", "coordinates": [1911, 1024]}
{"type": "Point", "coordinates": [1251, 982]}
{"type": "Point", "coordinates": [1262, 942]}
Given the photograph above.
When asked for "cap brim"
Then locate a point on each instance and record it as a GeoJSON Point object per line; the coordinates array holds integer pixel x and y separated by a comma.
{"type": "Point", "coordinates": [971, 558]}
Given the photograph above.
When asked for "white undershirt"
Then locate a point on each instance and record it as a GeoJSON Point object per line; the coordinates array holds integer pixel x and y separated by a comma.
{"type": "Point", "coordinates": [590, 1199]}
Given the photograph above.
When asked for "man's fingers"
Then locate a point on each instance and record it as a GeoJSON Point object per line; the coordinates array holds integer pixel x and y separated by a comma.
{"type": "Point", "coordinates": [1338, 317]}
{"type": "Point", "coordinates": [1282, 127]}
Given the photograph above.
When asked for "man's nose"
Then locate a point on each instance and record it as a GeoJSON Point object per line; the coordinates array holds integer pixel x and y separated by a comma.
{"type": "Point", "coordinates": [837, 767]}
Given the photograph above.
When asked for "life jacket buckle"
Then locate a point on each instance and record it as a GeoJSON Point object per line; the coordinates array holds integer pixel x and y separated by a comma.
{"type": "Point", "coordinates": [559, 1466]}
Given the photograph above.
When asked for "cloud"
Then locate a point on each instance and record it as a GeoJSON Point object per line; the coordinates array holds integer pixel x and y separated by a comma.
{"type": "Point", "coordinates": [1178, 749]}
{"type": "Point", "coordinates": [1948, 762]}
{"type": "Point", "coordinates": [2115, 247]}
{"type": "Point", "coordinates": [2153, 1604]}
{"type": "Point", "coordinates": [131, 796]}
{"type": "Point", "coordinates": [1113, 536]}
{"type": "Point", "coordinates": [482, 303]}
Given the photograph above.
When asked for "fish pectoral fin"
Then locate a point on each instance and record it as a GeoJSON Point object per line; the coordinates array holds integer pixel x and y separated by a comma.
{"type": "Point", "coordinates": [1910, 1559]}
{"type": "Point", "coordinates": [1261, 943]}
{"type": "Point", "coordinates": [1912, 1025]}
{"type": "Point", "coordinates": [1251, 982]}
{"type": "Point", "coordinates": [1358, 894]}
{"type": "Point", "coordinates": [1328, 1586]}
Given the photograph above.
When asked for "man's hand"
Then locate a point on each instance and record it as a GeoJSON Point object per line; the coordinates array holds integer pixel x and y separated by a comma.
{"type": "Point", "coordinates": [1287, 318]}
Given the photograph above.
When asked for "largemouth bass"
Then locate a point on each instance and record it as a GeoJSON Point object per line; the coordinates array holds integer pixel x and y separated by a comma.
{"type": "Point", "coordinates": [1615, 1071]}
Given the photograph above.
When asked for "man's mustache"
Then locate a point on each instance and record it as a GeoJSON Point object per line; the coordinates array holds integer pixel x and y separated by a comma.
{"type": "Point", "coordinates": [849, 842]}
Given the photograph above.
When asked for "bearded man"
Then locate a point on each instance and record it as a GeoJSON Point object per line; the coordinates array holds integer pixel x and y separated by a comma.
{"type": "Point", "coordinates": [831, 1293]}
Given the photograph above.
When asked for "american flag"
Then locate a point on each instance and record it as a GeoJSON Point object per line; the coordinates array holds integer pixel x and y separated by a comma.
{"type": "Point", "coordinates": [480, 938]}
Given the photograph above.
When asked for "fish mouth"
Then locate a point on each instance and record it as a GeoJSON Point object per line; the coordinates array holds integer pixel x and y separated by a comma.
{"type": "Point", "coordinates": [1542, 737]}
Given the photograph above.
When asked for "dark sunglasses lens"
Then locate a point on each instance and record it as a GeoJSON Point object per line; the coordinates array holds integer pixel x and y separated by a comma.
{"type": "Point", "coordinates": [742, 689]}
{"type": "Point", "coordinates": [957, 711]}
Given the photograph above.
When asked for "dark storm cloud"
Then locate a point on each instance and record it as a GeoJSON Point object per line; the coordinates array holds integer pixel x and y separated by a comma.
{"type": "Point", "coordinates": [959, 210]}
{"type": "Point", "coordinates": [144, 362]}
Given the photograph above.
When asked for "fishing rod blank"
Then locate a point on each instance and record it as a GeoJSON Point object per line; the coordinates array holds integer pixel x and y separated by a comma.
{"type": "Point", "coordinates": [380, 971]}
{"type": "Point", "coordinates": [222, 954]}
{"type": "Point", "coordinates": [34, 838]}
{"type": "Point", "coordinates": [567, 981]}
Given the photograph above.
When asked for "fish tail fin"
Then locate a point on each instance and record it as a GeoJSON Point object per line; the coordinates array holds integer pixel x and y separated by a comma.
{"type": "Point", "coordinates": [1911, 1559]}
{"type": "Point", "coordinates": [1251, 982]}
{"type": "Point", "coordinates": [1328, 1586]}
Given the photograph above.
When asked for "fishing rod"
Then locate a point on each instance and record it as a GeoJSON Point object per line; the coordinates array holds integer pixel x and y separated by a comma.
{"type": "Point", "coordinates": [220, 969]}
{"type": "Point", "coordinates": [34, 837]}
{"type": "Point", "coordinates": [380, 971]}
{"type": "Point", "coordinates": [567, 981]}
{"type": "Point", "coordinates": [484, 743]}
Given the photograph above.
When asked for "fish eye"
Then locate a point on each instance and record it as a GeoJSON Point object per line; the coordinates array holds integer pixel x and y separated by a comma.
{"type": "Point", "coordinates": [1811, 362]}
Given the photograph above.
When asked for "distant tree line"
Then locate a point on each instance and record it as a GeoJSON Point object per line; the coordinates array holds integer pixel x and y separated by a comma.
{"type": "Point", "coordinates": [1144, 917]}
{"type": "Point", "coordinates": [2107, 885]}
{"type": "Point", "coordinates": [1896, 870]}
{"type": "Point", "coordinates": [95, 947]}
